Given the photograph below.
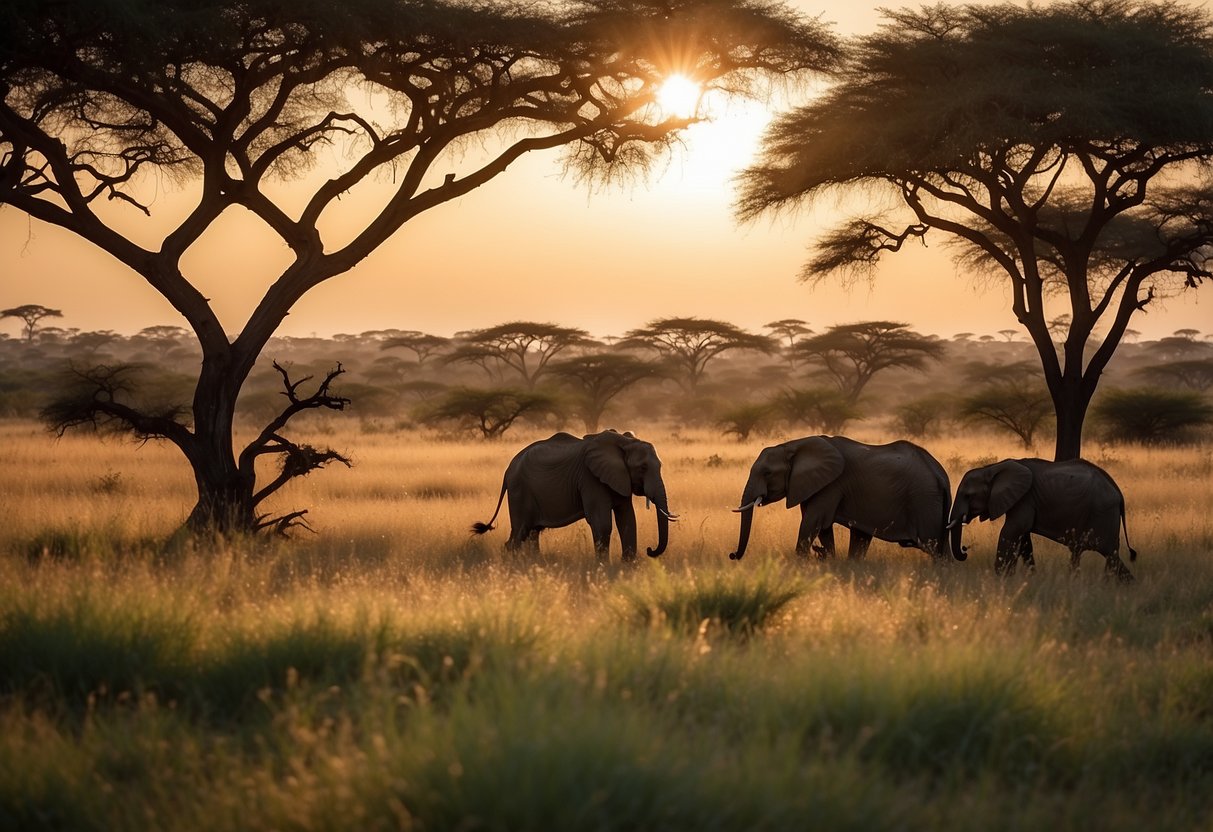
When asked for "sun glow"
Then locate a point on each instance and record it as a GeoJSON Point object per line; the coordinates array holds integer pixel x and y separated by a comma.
{"type": "Point", "coordinates": [679, 96]}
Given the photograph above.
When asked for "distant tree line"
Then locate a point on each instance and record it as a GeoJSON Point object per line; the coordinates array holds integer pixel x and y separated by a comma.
{"type": "Point", "coordinates": [788, 378]}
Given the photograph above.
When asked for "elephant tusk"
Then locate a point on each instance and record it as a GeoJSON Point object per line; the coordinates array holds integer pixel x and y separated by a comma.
{"type": "Point", "coordinates": [647, 506]}
{"type": "Point", "coordinates": [673, 518]}
{"type": "Point", "coordinates": [756, 502]}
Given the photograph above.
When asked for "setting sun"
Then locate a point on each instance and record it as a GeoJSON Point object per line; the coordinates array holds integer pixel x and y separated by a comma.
{"type": "Point", "coordinates": [679, 96]}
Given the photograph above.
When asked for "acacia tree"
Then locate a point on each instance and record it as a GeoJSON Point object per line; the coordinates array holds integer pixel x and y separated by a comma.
{"type": "Point", "coordinates": [598, 378]}
{"type": "Point", "coordinates": [690, 344]}
{"type": "Point", "coordinates": [852, 354]}
{"type": "Point", "coordinates": [99, 101]}
{"type": "Point", "coordinates": [525, 347]}
{"type": "Point", "coordinates": [421, 344]}
{"type": "Point", "coordinates": [489, 412]}
{"type": "Point", "coordinates": [30, 314]}
{"type": "Point", "coordinates": [1057, 144]}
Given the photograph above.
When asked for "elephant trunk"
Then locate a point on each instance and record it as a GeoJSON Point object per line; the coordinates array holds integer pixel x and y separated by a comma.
{"type": "Point", "coordinates": [655, 491]}
{"type": "Point", "coordinates": [751, 498]}
{"type": "Point", "coordinates": [956, 523]}
{"type": "Point", "coordinates": [743, 540]}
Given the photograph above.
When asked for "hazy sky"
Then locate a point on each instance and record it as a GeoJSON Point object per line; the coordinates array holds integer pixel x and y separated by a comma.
{"type": "Point", "coordinates": [532, 245]}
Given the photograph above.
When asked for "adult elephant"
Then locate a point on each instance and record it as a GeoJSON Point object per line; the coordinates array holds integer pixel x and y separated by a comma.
{"type": "Point", "coordinates": [1075, 503]}
{"type": "Point", "coordinates": [562, 479]}
{"type": "Point", "coordinates": [896, 492]}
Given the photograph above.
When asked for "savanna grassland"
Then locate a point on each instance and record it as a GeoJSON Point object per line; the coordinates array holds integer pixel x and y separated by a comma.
{"type": "Point", "coordinates": [393, 672]}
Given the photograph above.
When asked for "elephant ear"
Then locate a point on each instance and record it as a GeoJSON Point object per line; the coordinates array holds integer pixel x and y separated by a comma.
{"type": "Point", "coordinates": [1010, 484]}
{"type": "Point", "coordinates": [815, 464]}
{"type": "Point", "coordinates": [606, 461]}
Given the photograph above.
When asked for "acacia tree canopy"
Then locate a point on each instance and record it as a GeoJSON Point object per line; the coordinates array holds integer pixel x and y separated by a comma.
{"type": "Point", "coordinates": [1064, 147]}
{"type": "Point", "coordinates": [102, 99]}
{"type": "Point", "coordinates": [852, 354]}
{"type": "Point", "coordinates": [690, 344]}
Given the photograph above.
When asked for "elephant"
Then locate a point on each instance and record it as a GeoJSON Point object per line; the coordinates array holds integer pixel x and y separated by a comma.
{"type": "Point", "coordinates": [559, 480]}
{"type": "Point", "coordinates": [896, 492]}
{"type": "Point", "coordinates": [1073, 502]}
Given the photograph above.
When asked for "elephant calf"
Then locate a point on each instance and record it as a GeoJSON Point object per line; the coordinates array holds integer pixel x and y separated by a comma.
{"type": "Point", "coordinates": [1073, 503]}
{"type": "Point", "coordinates": [896, 492]}
{"type": "Point", "coordinates": [559, 480]}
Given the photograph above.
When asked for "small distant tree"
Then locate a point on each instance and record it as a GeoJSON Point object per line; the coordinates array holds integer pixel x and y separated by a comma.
{"type": "Point", "coordinates": [490, 412]}
{"type": "Point", "coordinates": [788, 330]}
{"type": "Point", "coordinates": [598, 378]}
{"type": "Point", "coordinates": [1008, 334]}
{"type": "Point", "coordinates": [825, 410]}
{"type": "Point", "coordinates": [1012, 397]}
{"type": "Point", "coordinates": [525, 347]}
{"type": "Point", "coordinates": [921, 417]}
{"type": "Point", "coordinates": [744, 419]}
{"type": "Point", "coordinates": [690, 344]}
{"type": "Point", "coordinates": [421, 344]}
{"type": "Point", "coordinates": [1190, 334]}
{"type": "Point", "coordinates": [1195, 373]}
{"type": "Point", "coordinates": [31, 314]}
{"type": "Point", "coordinates": [1151, 416]}
{"type": "Point", "coordinates": [852, 354]}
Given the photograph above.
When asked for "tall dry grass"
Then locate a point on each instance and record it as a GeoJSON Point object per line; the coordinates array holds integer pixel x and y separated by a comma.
{"type": "Point", "coordinates": [392, 671]}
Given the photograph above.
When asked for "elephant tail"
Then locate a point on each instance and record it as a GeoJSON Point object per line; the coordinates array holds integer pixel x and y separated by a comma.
{"type": "Point", "coordinates": [1125, 526]}
{"type": "Point", "coordinates": [481, 528]}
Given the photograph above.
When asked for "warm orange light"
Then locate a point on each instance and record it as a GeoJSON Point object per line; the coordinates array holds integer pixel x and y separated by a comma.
{"type": "Point", "coordinates": [679, 97]}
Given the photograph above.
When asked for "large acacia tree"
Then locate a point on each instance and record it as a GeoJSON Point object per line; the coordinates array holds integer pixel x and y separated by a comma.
{"type": "Point", "coordinates": [1064, 147]}
{"type": "Point", "coordinates": [102, 99]}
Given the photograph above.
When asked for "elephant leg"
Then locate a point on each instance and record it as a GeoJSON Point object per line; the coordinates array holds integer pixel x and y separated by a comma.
{"type": "Point", "coordinates": [1025, 553]}
{"type": "Point", "coordinates": [811, 527]}
{"type": "Point", "coordinates": [625, 522]}
{"type": "Point", "coordinates": [1010, 548]}
{"type": "Point", "coordinates": [858, 548]}
{"type": "Point", "coordinates": [600, 530]}
{"type": "Point", "coordinates": [1115, 567]}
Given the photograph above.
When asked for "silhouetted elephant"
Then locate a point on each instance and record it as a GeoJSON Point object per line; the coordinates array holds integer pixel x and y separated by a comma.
{"type": "Point", "coordinates": [1074, 503]}
{"type": "Point", "coordinates": [559, 480]}
{"type": "Point", "coordinates": [896, 492]}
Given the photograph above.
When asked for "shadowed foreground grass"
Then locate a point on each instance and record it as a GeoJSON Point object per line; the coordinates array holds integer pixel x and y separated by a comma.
{"type": "Point", "coordinates": [393, 674]}
{"type": "Point", "coordinates": [865, 698]}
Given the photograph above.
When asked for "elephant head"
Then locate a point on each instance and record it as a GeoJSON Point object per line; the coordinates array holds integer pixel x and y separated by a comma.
{"type": "Point", "coordinates": [630, 466]}
{"type": "Point", "coordinates": [792, 471]}
{"type": "Point", "coordinates": [987, 493]}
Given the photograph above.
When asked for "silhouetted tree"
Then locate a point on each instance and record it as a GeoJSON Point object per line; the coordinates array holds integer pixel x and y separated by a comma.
{"type": "Point", "coordinates": [744, 419]}
{"type": "Point", "coordinates": [690, 344]}
{"type": "Point", "coordinates": [852, 354]}
{"type": "Point", "coordinates": [922, 416]}
{"type": "Point", "coordinates": [1011, 396]}
{"type": "Point", "coordinates": [1151, 416]}
{"type": "Point", "coordinates": [99, 99]}
{"type": "Point", "coordinates": [489, 412]}
{"type": "Point", "coordinates": [523, 346]}
{"type": "Point", "coordinates": [421, 344]}
{"type": "Point", "coordinates": [1062, 146]}
{"type": "Point", "coordinates": [1195, 373]}
{"type": "Point", "coordinates": [788, 329]}
{"type": "Point", "coordinates": [598, 378]}
{"type": "Point", "coordinates": [825, 410]}
{"type": "Point", "coordinates": [31, 314]}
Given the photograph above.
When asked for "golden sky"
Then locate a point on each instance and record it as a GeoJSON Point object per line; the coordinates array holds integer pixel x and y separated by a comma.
{"type": "Point", "coordinates": [532, 245]}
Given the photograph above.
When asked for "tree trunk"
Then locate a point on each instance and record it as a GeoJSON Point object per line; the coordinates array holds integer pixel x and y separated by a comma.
{"type": "Point", "coordinates": [225, 492]}
{"type": "Point", "coordinates": [1070, 402]}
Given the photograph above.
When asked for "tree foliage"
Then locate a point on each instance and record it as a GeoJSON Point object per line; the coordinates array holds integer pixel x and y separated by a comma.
{"type": "Point", "coordinates": [1011, 397]}
{"type": "Point", "coordinates": [489, 412]}
{"type": "Point", "coordinates": [100, 101]}
{"type": "Point", "coordinates": [1064, 147]}
{"type": "Point", "coordinates": [1193, 373]}
{"type": "Point", "coordinates": [525, 347]}
{"type": "Point", "coordinates": [690, 344]}
{"type": "Point", "coordinates": [1151, 416]}
{"type": "Point", "coordinates": [852, 354]}
{"type": "Point", "coordinates": [597, 378]}
{"type": "Point", "coordinates": [30, 314]}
